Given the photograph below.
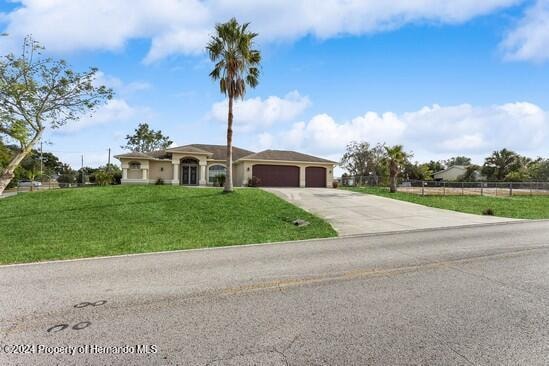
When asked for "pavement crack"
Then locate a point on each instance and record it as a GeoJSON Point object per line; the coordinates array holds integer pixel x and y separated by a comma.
{"type": "Point", "coordinates": [291, 343]}
{"type": "Point", "coordinates": [459, 354]}
{"type": "Point", "coordinates": [284, 358]}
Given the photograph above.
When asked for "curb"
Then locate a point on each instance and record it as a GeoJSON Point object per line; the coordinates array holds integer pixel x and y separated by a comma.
{"type": "Point", "coordinates": [234, 247]}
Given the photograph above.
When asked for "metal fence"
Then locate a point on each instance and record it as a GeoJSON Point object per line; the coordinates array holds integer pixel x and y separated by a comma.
{"type": "Point", "coordinates": [435, 188]}
{"type": "Point", "coordinates": [448, 188]}
{"type": "Point", "coordinates": [44, 186]}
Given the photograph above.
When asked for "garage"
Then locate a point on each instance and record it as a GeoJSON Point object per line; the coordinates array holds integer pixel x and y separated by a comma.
{"type": "Point", "coordinates": [315, 177]}
{"type": "Point", "coordinates": [276, 175]}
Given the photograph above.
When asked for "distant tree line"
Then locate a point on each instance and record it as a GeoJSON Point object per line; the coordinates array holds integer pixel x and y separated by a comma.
{"type": "Point", "coordinates": [52, 168]}
{"type": "Point", "coordinates": [379, 165]}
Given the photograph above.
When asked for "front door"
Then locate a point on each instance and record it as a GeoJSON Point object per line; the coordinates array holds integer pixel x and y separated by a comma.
{"type": "Point", "coordinates": [189, 174]}
{"type": "Point", "coordinates": [192, 177]}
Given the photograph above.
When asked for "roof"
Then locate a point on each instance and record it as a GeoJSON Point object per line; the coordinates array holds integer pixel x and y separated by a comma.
{"type": "Point", "coordinates": [135, 154]}
{"type": "Point", "coordinates": [286, 155]}
{"type": "Point", "coordinates": [189, 149]}
{"type": "Point", "coordinates": [220, 151]}
{"type": "Point", "coordinates": [216, 152]}
{"type": "Point", "coordinates": [460, 167]}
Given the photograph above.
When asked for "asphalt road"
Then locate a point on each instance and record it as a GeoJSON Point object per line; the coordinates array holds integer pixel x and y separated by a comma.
{"type": "Point", "coordinates": [476, 295]}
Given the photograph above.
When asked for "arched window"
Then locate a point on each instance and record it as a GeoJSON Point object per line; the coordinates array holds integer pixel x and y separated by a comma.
{"type": "Point", "coordinates": [135, 165]}
{"type": "Point", "coordinates": [214, 171]}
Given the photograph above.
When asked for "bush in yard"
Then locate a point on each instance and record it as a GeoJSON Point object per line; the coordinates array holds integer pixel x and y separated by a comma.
{"type": "Point", "coordinates": [220, 180]}
{"type": "Point", "coordinates": [254, 182]}
{"type": "Point", "coordinates": [117, 178]}
{"type": "Point", "coordinates": [488, 212]}
{"type": "Point", "coordinates": [103, 178]}
{"type": "Point", "coordinates": [66, 178]}
{"type": "Point", "coordinates": [159, 182]}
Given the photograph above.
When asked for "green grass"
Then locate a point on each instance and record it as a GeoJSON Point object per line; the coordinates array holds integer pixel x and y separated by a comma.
{"type": "Point", "coordinates": [519, 207]}
{"type": "Point", "coordinates": [87, 222]}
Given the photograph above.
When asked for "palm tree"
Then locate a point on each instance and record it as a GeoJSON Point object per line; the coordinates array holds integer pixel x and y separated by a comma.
{"type": "Point", "coordinates": [499, 164]}
{"type": "Point", "coordinates": [396, 157]}
{"type": "Point", "coordinates": [236, 65]}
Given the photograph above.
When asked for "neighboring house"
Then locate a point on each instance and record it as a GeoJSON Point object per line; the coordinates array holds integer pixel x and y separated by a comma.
{"type": "Point", "coordinates": [199, 164]}
{"type": "Point", "coordinates": [453, 173]}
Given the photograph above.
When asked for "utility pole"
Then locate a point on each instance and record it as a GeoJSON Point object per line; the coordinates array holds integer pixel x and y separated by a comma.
{"type": "Point", "coordinates": [109, 161]}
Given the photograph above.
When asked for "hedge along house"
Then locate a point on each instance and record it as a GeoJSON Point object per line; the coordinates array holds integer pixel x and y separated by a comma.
{"type": "Point", "coordinates": [199, 165]}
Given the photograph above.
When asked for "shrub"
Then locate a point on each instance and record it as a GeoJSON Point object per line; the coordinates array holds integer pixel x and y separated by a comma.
{"type": "Point", "coordinates": [254, 182]}
{"type": "Point", "coordinates": [335, 184]}
{"type": "Point", "coordinates": [117, 178]}
{"type": "Point", "coordinates": [66, 178]}
{"type": "Point", "coordinates": [488, 212]}
{"type": "Point", "coordinates": [103, 177]}
{"type": "Point", "coordinates": [220, 180]}
{"type": "Point", "coordinates": [159, 182]}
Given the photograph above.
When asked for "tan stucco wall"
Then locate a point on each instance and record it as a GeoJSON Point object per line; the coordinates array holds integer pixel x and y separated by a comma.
{"type": "Point", "coordinates": [242, 171]}
{"type": "Point", "coordinates": [134, 174]}
{"type": "Point", "coordinates": [238, 175]}
{"type": "Point", "coordinates": [160, 169]}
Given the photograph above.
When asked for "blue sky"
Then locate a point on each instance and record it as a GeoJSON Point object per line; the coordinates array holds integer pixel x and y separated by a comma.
{"type": "Point", "coordinates": [443, 78]}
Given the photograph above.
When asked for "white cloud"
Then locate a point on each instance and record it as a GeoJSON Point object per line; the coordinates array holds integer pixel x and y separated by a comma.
{"type": "Point", "coordinates": [529, 41]}
{"type": "Point", "coordinates": [67, 25]}
{"type": "Point", "coordinates": [119, 87]}
{"type": "Point", "coordinates": [324, 134]}
{"type": "Point", "coordinates": [264, 141]}
{"type": "Point", "coordinates": [253, 113]}
{"type": "Point", "coordinates": [429, 132]}
{"type": "Point", "coordinates": [182, 26]}
{"type": "Point", "coordinates": [115, 110]}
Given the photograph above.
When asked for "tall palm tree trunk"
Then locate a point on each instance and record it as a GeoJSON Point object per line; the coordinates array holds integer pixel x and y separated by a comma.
{"type": "Point", "coordinates": [229, 177]}
{"type": "Point", "coordinates": [393, 172]}
{"type": "Point", "coordinates": [392, 185]}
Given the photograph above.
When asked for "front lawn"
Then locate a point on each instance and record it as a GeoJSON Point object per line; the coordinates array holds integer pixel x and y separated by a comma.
{"type": "Point", "coordinates": [87, 222]}
{"type": "Point", "coordinates": [519, 207]}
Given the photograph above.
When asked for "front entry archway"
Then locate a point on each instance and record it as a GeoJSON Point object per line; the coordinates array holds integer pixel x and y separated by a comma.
{"type": "Point", "coordinates": [189, 172]}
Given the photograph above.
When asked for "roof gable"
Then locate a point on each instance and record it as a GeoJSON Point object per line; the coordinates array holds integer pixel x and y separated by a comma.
{"type": "Point", "coordinates": [189, 149]}
{"type": "Point", "coordinates": [219, 152]}
{"type": "Point", "coordinates": [134, 155]}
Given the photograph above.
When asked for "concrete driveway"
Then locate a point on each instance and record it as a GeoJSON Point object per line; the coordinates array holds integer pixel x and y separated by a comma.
{"type": "Point", "coordinates": [352, 213]}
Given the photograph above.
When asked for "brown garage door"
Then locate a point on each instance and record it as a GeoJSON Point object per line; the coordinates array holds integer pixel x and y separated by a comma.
{"type": "Point", "coordinates": [315, 177]}
{"type": "Point", "coordinates": [276, 175]}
